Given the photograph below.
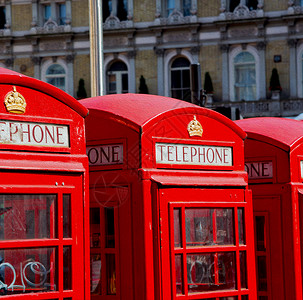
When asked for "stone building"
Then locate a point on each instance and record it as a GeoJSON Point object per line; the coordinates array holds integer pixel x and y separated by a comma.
{"type": "Point", "coordinates": [238, 42]}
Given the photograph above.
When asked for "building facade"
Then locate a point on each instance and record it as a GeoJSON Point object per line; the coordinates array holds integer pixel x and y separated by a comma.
{"type": "Point", "coordinates": [238, 42]}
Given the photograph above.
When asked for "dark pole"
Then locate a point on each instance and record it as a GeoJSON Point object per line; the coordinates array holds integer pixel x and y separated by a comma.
{"type": "Point", "coordinates": [198, 95]}
{"type": "Point", "coordinates": [195, 84]}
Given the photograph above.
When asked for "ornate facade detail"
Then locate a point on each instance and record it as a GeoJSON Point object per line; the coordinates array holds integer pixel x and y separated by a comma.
{"type": "Point", "coordinates": [159, 51]}
{"type": "Point", "coordinates": [176, 17]}
{"type": "Point", "coordinates": [9, 62]}
{"type": "Point", "coordinates": [70, 58]}
{"type": "Point", "coordinates": [195, 50]}
{"type": "Point", "coordinates": [292, 43]}
{"type": "Point", "coordinates": [36, 60]}
{"type": "Point", "coordinates": [49, 27]}
{"type": "Point", "coordinates": [131, 54]}
{"type": "Point", "coordinates": [113, 22]}
{"type": "Point", "coordinates": [224, 48]}
{"type": "Point", "coordinates": [261, 46]}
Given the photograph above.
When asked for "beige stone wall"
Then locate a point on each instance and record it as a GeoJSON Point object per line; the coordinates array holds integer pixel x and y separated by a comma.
{"type": "Point", "coordinates": [144, 10]}
{"type": "Point", "coordinates": [208, 8]}
{"type": "Point", "coordinates": [278, 48]}
{"type": "Point", "coordinates": [82, 70]}
{"type": "Point", "coordinates": [146, 65]}
{"type": "Point", "coordinates": [274, 5]}
{"type": "Point", "coordinates": [24, 66]}
{"type": "Point", "coordinates": [211, 61]}
{"type": "Point", "coordinates": [80, 13]}
{"type": "Point", "coordinates": [21, 17]}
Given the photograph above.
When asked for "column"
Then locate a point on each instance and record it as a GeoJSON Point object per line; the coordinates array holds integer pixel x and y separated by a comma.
{"type": "Point", "coordinates": [160, 69]}
{"type": "Point", "coordinates": [262, 65]}
{"type": "Point", "coordinates": [132, 72]}
{"type": "Point", "coordinates": [292, 43]}
{"type": "Point", "coordinates": [225, 72]}
{"type": "Point", "coordinates": [70, 74]}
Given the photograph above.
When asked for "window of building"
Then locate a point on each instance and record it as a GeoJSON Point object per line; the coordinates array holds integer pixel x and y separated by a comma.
{"type": "Point", "coordinates": [180, 79]}
{"type": "Point", "coordinates": [244, 76]}
{"type": "Point", "coordinates": [56, 11]}
{"type": "Point", "coordinates": [2, 17]}
{"type": "Point", "coordinates": [56, 75]}
{"type": "Point", "coordinates": [118, 8]}
{"type": "Point", "coordinates": [117, 78]}
{"type": "Point", "coordinates": [251, 4]}
{"type": "Point", "coordinates": [183, 6]}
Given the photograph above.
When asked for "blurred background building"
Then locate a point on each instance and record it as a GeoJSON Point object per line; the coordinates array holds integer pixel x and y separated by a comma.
{"type": "Point", "coordinates": [150, 44]}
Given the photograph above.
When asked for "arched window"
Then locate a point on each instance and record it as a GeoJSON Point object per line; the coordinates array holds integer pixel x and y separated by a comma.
{"type": "Point", "coordinates": [117, 78]}
{"type": "Point", "coordinates": [180, 79]}
{"type": "Point", "coordinates": [244, 77]}
{"type": "Point", "coordinates": [56, 75]}
{"type": "Point", "coordinates": [251, 4]}
{"type": "Point", "coordinates": [118, 8]}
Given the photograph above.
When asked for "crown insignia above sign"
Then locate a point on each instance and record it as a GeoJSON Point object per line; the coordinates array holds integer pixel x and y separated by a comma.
{"type": "Point", "coordinates": [194, 128]}
{"type": "Point", "coordinates": [15, 102]}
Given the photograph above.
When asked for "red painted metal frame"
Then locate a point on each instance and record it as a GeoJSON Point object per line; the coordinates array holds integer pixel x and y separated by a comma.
{"type": "Point", "coordinates": [141, 120]}
{"type": "Point", "coordinates": [282, 141]}
{"type": "Point", "coordinates": [34, 169]}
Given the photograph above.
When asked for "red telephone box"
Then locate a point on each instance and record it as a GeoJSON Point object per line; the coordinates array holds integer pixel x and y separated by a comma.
{"type": "Point", "coordinates": [171, 215]}
{"type": "Point", "coordinates": [274, 162]}
{"type": "Point", "coordinates": [43, 206]}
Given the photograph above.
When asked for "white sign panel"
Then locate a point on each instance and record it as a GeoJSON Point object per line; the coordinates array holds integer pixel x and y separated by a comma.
{"type": "Point", "coordinates": [105, 155]}
{"type": "Point", "coordinates": [196, 155]}
{"type": "Point", "coordinates": [33, 134]}
{"type": "Point", "coordinates": [259, 170]}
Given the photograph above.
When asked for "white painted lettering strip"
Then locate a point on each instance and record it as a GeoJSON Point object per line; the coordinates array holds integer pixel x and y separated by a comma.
{"type": "Point", "coordinates": [105, 155]}
{"type": "Point", "coordinates": [195, 155]}
{"type": "Point", "coordinates": [33, 134]}
{"type": "Point", "coordinates": [259, 170]}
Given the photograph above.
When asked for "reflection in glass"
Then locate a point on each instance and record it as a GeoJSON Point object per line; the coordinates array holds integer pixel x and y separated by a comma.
{"type": "Point", "coordinates": [109, 227]}
{"type": "Point", "coordinates": [225, 226]}
{"type": "Point", "coordinates": [66, 216]}
{"type": "Point", "coordinates": [111, 274]}
{"type": "Point", "coordinates": [260, 233]}
{"type": "Point", "coordinates": [199, 227]}
{"type": "Point", "coordinates": [243, 270]}
{"type": "Point", "coordinates": [207, 226]}
{"type": "Point", "coordinates": [28, 270]}
{"type": "Point", "coordinates": [262, 273]}
{"type": "Point", "coordinates": [177, 232]}
{"type": "Point", "coordinates": [95, 227]}
{"type": "Point", "coordinates": [244, 297]}
{"type": "Point", "coordinates": [95, 269]}
{"type": "Point", "coordinates": [28, 216]}
{"type": "Point", "coordinates": [241, 226]}
{"type": "Point", "coordinates": [179, 274]}
{"type": "Point", "coordinates": [210, 272]}
{"type": "Point", "coordinates": [67, 268]}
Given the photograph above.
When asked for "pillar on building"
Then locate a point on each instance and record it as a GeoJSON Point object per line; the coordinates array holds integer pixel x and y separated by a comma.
{"type": "Point", "coordinates": [225, 72]}
{"type": "Point", "coordinates": [262, 82]}
{"type": "Point", "coordinates": [160, 67]}
{"type": "Point", "coordinates": [292, 43]}
{"type": "Point", "coordinates": [70, 71]}
{"type": "Point", "coordinates": [132, 72]}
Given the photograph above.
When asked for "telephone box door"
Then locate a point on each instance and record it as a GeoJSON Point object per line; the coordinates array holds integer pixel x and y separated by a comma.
{"type": "Point", "coordinates": [41, 235]}
{"type": "Point", "coordinates": [204, 249]}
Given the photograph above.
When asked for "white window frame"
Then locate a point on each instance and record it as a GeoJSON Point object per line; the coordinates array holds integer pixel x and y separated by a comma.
{"type": "Point", "coordinates": [168, 60]}
{"type": "Point", "coordinates": [109, 59]}
{"type": "Point", "coordinates": [38, 12]}
{"type": "Point", "coordinates": [225, 4]}
{"type": "Point", "coordinates": [233, 53]}
{"type": "Point", "coordinates": [130, 9]}
{"type": "Point", "coordinates": [161, 7]}
{"type": "Point", "coordinates": [48, 63]}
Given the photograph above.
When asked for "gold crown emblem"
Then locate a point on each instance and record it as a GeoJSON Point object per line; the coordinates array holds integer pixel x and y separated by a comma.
{"type": "Point", "coordinates": [15, 102]}
{"type": "Point", "coordinates": [194, 128]}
